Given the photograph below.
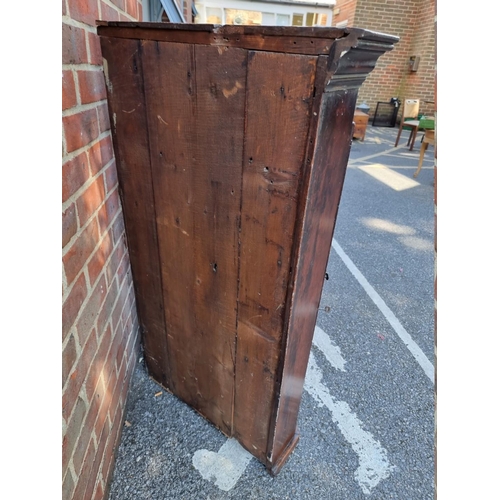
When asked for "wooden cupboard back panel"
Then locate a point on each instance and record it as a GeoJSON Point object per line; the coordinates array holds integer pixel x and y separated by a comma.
{"type": "Point", "coordinates": [231, 147]}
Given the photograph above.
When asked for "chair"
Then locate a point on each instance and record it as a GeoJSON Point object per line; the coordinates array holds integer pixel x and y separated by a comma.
{"type": "Point", "coordinates": [429, 138]}
{"type": "Point", "coordinates": [410, 110]}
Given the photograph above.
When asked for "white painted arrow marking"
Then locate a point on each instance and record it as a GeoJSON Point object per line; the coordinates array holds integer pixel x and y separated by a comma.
{"type": "Point", "coordinates": [373, 463]}
{"type": "Point", "coordinates": [225, 467]}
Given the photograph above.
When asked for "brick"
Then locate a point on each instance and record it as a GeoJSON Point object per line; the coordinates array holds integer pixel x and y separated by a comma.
{"type": "Point", "coordinates": [109, 452]}
{"type": "Point", "coordinates": [74, 47]}
{"type": "Point", "coordinates": [83, 478]}
{"type": "Point", "coordinates": [72, 304]}
{"type": "Point", "coordinates": [123, 271]}
{"type": "Point", "coordinates": [99, 258]}
{"type": "Point", "coordinates": [97, 462]}
{"type": "Point", "coordinates": [72, 433]}
{"type": "Point", "coordinates": [69, 356]}
{"type": "Point", "coordinates": [68, 90]}
{"type": "Point", "coordinates": [121, 346]}
{"type": "Point", "coordinates": [95, 54]}
{"type": "Point", "coordinates": [69, 224]}
{"type": "Point", "coordinates": [114, 263]}
{"type": "Point", "coordinates": [119, 389]}
{"type": "Point", "coordinates": [68, 484]}
{"type": "Point", "coordinates": [108, 13]}
{"type": "Point", "coordinates": [119, 3]}
{"type": "Point", "coordinates": [81, 249]}
{"type": "Point", "coordinates": [118, 230]}
{"type": "Point", "coordinates": [77, 376]}
{"type": "Point", "coordinates": [99, 492]}
{"type": "Point", "coordinates": [91, 310]}
{"type": "Point", "coordinates": [107, 308]}
{"type": "Point", "coordinates": [108, 212]}
{"type": "Point", "coordinates": [132, 8]}
{"type": "Point", "coordinates": [64, 7]}
{"type": "Point", "coordinates": [80, 129]}
{"type": "Point", "coordinates": [106, 398]}
{"type": "Point", "coordinates": [103, 116]}
{"type": "Point", "coordinates": [92, 86]}
{"type": "Point", "coordinates": [93, 384]}
{"type": "Point", "coordinates": [84, 10]}
{"type": "Point", "coordinates": [117, 311]}
{"type": "Point", "coordinates": [90, 200]}
{"type": "Point", "coordinates": [75, 173]}
{"type": "Point", "coordinates": [111, 176]}
{"type": "Point", "coordinates": [82, 445]}
{"type": "Point", "coordinates": [100, 154]}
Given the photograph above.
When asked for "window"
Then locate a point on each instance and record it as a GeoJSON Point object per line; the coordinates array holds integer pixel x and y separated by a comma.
{"type": "Point", "coordinates": [311, 19]}
{"type": "Point", "coordinates": [282, 20]}
{"type": "Point", "coordinates": [267, 19]}
{"type": "Point", "coordinates": [214, 15]}
{"type": "Point", "coordinates": [298, 20]}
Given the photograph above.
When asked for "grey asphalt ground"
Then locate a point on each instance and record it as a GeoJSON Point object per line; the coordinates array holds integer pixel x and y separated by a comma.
{"type": "Point", "coordinates": [376, 409]}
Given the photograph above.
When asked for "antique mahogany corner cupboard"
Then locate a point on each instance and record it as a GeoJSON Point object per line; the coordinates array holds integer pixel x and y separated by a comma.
{"type": "Point", "coordinates": [231, 145]}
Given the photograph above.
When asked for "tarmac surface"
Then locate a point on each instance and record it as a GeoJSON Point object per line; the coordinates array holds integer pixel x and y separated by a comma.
{"type": "Point", "coordinates": [366, 421]}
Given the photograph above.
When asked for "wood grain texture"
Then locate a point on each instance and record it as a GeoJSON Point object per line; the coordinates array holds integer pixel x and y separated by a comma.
{"type": "Point", "coordinates": [329, 162]}
{"type": "Point", "coordinates": [127, 110]}
{"type": "Point", "coordinates": [279, 95]}
{"type": "Point", "coordinates": [232, 145]}
{"type": "Point", "coordinates": [196, 157]}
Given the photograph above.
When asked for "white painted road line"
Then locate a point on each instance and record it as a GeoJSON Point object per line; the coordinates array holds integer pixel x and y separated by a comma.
{"type": "Point", "coordinates": [373, 463]}
{"type": "Point", "coordinates": [225, 467]}
{"type": "Point", "coordinates": [415, 350]}
{"type": "Point", "coordinates": [332, 352]}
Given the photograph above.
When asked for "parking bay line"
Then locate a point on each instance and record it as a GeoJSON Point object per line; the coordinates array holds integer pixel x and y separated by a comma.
{"type": "Point", "coordinates": [415, 350]}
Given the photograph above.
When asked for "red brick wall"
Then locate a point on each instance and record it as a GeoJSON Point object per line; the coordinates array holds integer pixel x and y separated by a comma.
{"type": "Point", "coordinates": [413, 22]}
{"type": "Point", "coordinates": [100, 325]}
{"type": "Point", "coordinates": [420, 84]}
{"type": "Point", "coordinates": [346, 12]}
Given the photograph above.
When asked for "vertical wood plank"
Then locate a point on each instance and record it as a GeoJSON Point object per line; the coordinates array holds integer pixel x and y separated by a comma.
{"type": "Point", "coordinates": [195, 97]}
{"type": "Point", "coordinates": [279, 94]}
{"type": "Point", "coordinates": [128, 118]}
{"type": "Point", "coordinates": [329, 163]}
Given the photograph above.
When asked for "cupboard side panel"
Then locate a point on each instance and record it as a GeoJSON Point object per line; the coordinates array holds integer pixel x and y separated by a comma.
{"type": "Point", "coordinates": [279, 92]}
{"type": "Point", "coordinates": [328, 169]}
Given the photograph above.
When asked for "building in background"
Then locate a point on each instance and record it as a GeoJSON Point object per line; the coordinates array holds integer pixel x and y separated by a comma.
{"type": "Point", "coordinates": [173, 11]}
{"type": "Point", "coordinates": [409, 70]}
{"type": "Point", "coordinates": [265, 12]}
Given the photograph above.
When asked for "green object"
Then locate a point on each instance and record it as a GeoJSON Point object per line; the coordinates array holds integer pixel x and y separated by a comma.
{"type": "Point", "coordinates": [427, 123]}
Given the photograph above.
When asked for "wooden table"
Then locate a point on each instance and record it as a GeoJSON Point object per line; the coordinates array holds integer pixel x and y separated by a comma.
{"type": "Point", "coordinates": [360, 122]}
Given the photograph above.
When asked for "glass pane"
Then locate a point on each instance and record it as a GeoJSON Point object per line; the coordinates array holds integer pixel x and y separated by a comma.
{"type": "Point", "coordinates": [322, 19]}
{"type": "Point", "coordinates": [267, 19]}
{"type": "Point", "coordinates": [297, 19]}
{"type": "Point", "coordinates": [282, 20]}
{"type": "Point", "coordinates": [214, 15]}
{"type": "Point", "coordinates": [310, 19]}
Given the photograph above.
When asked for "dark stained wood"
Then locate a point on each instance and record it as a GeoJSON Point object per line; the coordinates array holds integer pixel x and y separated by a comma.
{"type": "Point", "coordinates": [231, 163]}
{"type": "Point", "coordinates": [279, 97]}
{"type": "Point", "coordinates": [324, 190]}
{"type": "Point", "coordinates": [127, 111]}
{"type": "Point", "coordinates": [289, 39]}
{"type": "Point", "coordinates": [196, 157]}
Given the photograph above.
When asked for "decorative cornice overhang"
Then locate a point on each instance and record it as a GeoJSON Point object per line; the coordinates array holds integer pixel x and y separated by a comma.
{"type": "Point", "coordinates": [354, 56]}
